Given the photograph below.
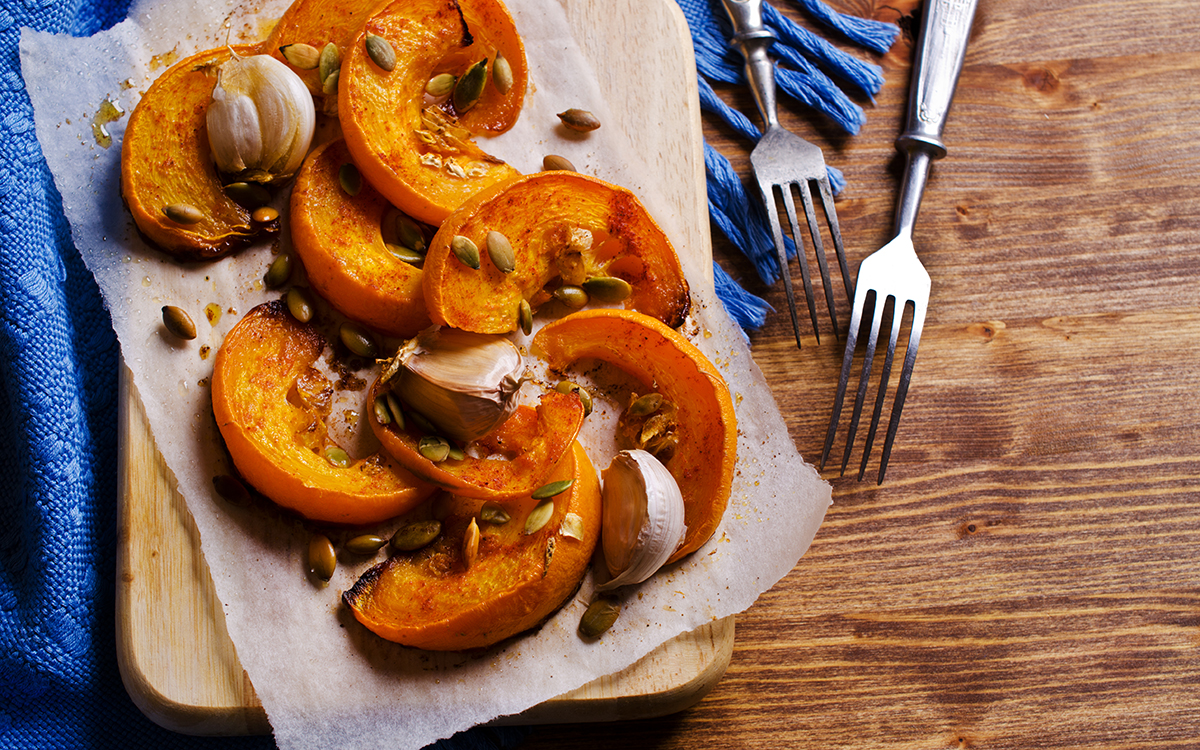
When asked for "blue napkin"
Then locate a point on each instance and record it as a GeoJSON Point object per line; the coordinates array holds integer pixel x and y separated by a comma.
{"type": "Point", "coordinates": [59, 683]}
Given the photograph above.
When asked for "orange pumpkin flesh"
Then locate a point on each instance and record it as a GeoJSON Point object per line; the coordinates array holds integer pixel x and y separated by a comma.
{"type": "Point", "coordinates": [270, 405]}
{"type": "Point", "coordinates": [165, 160]}
{"type": "Point", "coordinates": [429, 599]}
{"type": "Point", "coordinates": [338, 239]}
{"type": "Point", "coordinates": [381, 112]}
{"type": "Point", "coordinates": [664, 361]}
{"type": "Point", "coordinates": [514, 459]}
{"type": "Point", "coordinates": [537, 214]}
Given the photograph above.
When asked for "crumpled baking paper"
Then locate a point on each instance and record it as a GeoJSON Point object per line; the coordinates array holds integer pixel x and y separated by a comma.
{"type": "Point", "coordinates": [324, 681]}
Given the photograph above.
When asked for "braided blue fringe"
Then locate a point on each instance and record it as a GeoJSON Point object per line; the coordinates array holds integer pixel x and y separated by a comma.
{"type": "Point", "coordinates": [809, 66]}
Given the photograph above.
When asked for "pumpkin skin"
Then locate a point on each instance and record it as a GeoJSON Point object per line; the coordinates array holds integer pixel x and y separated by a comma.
{"type": "Point", "coordinates": [166, 160]}
{"type": "Point", "coordinates": [338, 239]}
{"type": "Point", "coordinates": [666, 362]}
{"type": "Point", "coordinates": [381, 111]}
{"type": "Point", "coordinates": [524, 449]}
{"type": "Point", "coordinates": [428, 599]}
{"type": "Point", "coordinates": [266, 400]}
{"type": "Point", "coordinates": [536, 213]}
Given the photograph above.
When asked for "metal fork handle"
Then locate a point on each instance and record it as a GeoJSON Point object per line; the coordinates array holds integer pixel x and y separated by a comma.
{"type": "Point", "coordinates": [753, 38]}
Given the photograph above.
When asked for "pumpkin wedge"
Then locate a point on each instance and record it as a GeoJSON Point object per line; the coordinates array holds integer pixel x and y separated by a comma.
{"type": "Point", "coordinates": [420, 155]}
{"type": "Point", "coordinates": [339, 239]}
{"type": "Point", "coordinates": [166, 162]}
{"type": "Point", "coordinates": [271, 406]}
{"type": "Point", "coordinates": [433, 599]}
{"type": "Point", "coordinates": [564, 229]}
{"type": "Point", "coordinates": [667, 363]}
{"type": "Point", "coordinates": [316, 23]}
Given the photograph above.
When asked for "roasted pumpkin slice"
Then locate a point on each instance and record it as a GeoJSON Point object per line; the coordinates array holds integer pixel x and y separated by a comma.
{"type": "Point", "coordinates": [271, 406]}
{"type": "Point", "coordinates": [420, 154]}
{"type": "Point", "coordinates": [340, 240]}
{"type": "Point", "coordinates": [564, 229]}
{"type": "Point", "coordinates": [665, 362]}
{"type": "Point", "coordinates": [520, 574]}
{"type": "Point", "coordinates": [511, 461]}
{"type": "Point", "coordinates": [169, 181]}
{"type": "Point", "coordinates": [315, 24]}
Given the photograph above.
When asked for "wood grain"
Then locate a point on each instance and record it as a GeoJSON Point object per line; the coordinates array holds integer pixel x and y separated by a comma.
{"type": "Point", "coordinates": [1026, 576]}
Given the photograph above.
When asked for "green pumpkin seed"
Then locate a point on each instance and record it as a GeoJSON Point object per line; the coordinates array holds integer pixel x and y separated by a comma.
{"type": "Point", "coordinates": [299, 305]}
{"type": "Point", "coordinates": [231, 489]}
{"type": "Point", "coordinates": [337, 456]}
{"type": "Point", "coordinates": [585, 397]}
{"type": "Point", "coordinates": [409, 233]}
{"type": "Point", "coordinates": [329, 86]}
{"type": "Point", "coordinates": [525, 317]}
{"type": "Point", "coordinates": [434, 447]}
{"type": "Point", "coordinates": [264, 215]}
{"type": "Point", "coordinates": [301, 56]}
{"type": "Point", "coordinates": [322, 559]}
{"type": "Point", "coordinates": [646, 405]}
{"type": "Point", "coordinates": [494, 514]}
{"type": "Point", "coordinates": [502, 73]}
{"type": "Point", "coordinates": [470, 548]}
{"type": "Point", "coordinates": [183, 213]}
{"type": "Point", "coordinates": [555, 163]}
{"type": "Point", "coordinates": [441, 85]}
{"type": "Point", "coordinates": [393, 406]}
{"type": "Point", "coordinates": [579, 120]}
{"type": "Point", "coordinates": [466, 251]}
{"type": "Point", "coordinates": [552, 489]}
{"type": "Point", "coordinates": [179, 324]}
{"type": "Point", "coordinates": [608, 288]}
{"type": "Point", "coordinates": [455, 453]}
{"type": "Point", "coordinates": [279, 272]}
{"type": "Point", "coordinates": [415, 535]}
{"type": "Point", "coordinates": [380, 408]}
{"type": "Point", "coordinates": [599, 617]}
{"type": "Point", "coordinates": [357, 340]}
{"type": "Point", "coordinates": [350, 179]}
{"type": "Point", "coordinates": [571, 296]}
{"type": "Point", "coordinates": [422, 423]}
{"type": "Point", "coordinates": [411, 257]}
{"type": "Point", "coordinates": [469, 88]}
{"type": "Point", "coordinates": [365, 544]}
{"type": "Point", "coordinates": [501, 252]}
{"type": "Point", "coordinates": [539, 516]}
{"type": "Point", "coordinates": [248, 194]}
{"type": "Point", "coordinates": [329, 62]}
{"type": "Point", "coordinates": [380, 51]}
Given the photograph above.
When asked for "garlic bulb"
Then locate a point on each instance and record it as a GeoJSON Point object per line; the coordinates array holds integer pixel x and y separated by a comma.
{"type": "Point", "coordinates": [642, 522]}
{"type": "Point", "coordinates": [261, 119]}
{"type": "Point", "coordinates": [464, 383]}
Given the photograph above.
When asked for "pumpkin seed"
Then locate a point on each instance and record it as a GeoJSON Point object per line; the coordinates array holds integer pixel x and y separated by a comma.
{"type": "Point", "coordinates": [434, 447]}
{"type": "Point", "coordinates": [380, 51]}
{"type": "Point", "coordinates": [470, 549]}
{"type": "Point", "coordinates": [328, 62]}
{"type": "Point", "coordinates": [579, 120]}
{"type": "Point", "coordinates": [494, 514]}
{"type": "Point", "coordinates": [322, 559]}
{"type": "Point", "coordinates": [409, 233]}
{"type": "Point", "coordinates": [607, 288]}
{"type": "Point", "coordinates": [572, 526]}
{"type": "Point", "coordinates": [469, 88]}
{"type": "Point", "coordinates": [440, 85]}
{"type": "Point", "coordinates": [599, 617]}
{"type": "Point", "coordinates": [422, 423]}
{"type": "Point", "coordinates": [645, 405]}
{"type": "Point", "coordinates": [525, 316]}
{"type": "Point", "coordinates": [183, 213]}
{"type": "Point", "coordinates": [552, 489]}
{"type": "Point", "coordinates": [393, 405]}
{"type": "Point", "coordinates": [455, 453]}
{"type": "Point", "coordinates": [380, 408]}
{"type": "Point", "coordinates": [571, 296]}
{"type": "Point", "coordinates": [501, 252]}
{"type": "Point", "coordinates": [248, 194]}
{"type": "Point", "coordinates": [329, 86]}
{"type": "Point", "coordinates": [264, 215]}
{"type": "Point", "coordinates": [350, 179]}
{"type": "Point", "coordinates": [279, 272]}
{"type": "Point", "coordinates": [466, 251]}
{"type": "Point", "coordinates": [412, 257]}
{"type": "Point", "coordinates": [555, 163]}
{"type": "Point", "coordinates": [337, 456]}
{"type": "Point", "coordinates": [231, 489]}
{"type": "Point", "coordinates": [415, 535]}
{"type": "Point", "coordinates": [539, 516]}
{"type": "Point", "coordinates": [502, 73]}
{"type": "Point", "coordinates": [357, 340]}
{"type": "Point", "coordinates": [301, 56]}
{"type": "Point", "coordinates": [179, 324]}
{"type": "Point", "coordinates": [585, 397]}
{"type": "Point", "coordinates": [299, 305]}
{"type": "Point", "coordinates": [365, 544]}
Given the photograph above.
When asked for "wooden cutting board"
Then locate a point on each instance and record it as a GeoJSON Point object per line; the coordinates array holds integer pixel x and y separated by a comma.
{"type": "Point", "coordinates": [175, 655]}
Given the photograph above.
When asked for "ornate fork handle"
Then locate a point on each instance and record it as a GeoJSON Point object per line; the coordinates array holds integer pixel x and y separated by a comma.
{"type": "Point", "coordinates": [753, 38]}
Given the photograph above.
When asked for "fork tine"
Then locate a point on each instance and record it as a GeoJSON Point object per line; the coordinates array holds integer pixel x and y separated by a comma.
{"type": "Point", "coordinates": [868, 359]}
{"type": "Point", "coordinates": [847, 363]}
{"type": "Point", "coordinates": [885, 375]}
{"type": "Point", "coordinates": [814, 231]}
{"type": "Point", "coordinates": [789, 204]}
{"type": "Point", "coordinates": [768, 195]}
{"type": "Point", "coordinates": [910, 357]}
{"type": "Point", "coordinates": [831, 218]}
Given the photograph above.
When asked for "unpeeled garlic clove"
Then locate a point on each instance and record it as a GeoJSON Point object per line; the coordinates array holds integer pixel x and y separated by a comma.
{"type": "Point", "coordinates": [643, 518]}
{"type": "Point", "coordinates": [261, 119]}
{"type": "Point", "coordinates": [464, 383]}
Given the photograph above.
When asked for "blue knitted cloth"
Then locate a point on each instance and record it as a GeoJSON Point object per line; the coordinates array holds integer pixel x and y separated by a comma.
{"type": "Point", "coordinates": [59, 683]}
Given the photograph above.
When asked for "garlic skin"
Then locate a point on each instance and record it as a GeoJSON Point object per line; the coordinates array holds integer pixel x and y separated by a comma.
{"type": "Point", "coordinates": [464, 383]}
{"type": "Point", "coordinates": [261, 119]}
{"type": "Point", "coordinates": [643, 518]}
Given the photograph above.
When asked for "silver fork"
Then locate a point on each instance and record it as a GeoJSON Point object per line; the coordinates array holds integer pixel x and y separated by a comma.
{"type": "Point", "coordinates": [782, 160]}
{"type": "Point", "coordinates": [894, 273]}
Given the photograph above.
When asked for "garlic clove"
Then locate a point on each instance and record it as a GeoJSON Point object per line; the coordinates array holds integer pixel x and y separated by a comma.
{"type": "Point", "coordinates": [643, 517]}
{"type": "Point", "coordinates": [261, 119]}
{"type": "Point", "coordinates": [465, 383]}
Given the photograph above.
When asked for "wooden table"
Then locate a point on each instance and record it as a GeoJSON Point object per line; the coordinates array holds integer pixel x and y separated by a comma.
{"type": "Point", "coordinates": [1029, 573]}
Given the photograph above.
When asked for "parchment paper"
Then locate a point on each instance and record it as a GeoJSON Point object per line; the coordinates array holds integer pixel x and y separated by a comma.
{"type": "Point", "coordinates": [324, 681]}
